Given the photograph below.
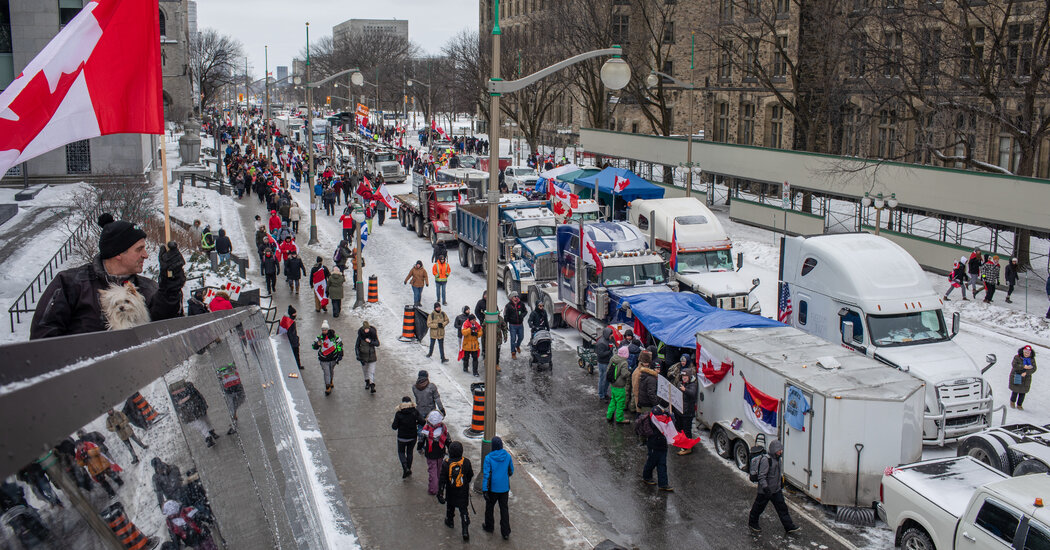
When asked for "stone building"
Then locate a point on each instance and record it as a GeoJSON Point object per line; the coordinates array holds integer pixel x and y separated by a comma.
{"type": "Point", "coordinates": [174, 57]}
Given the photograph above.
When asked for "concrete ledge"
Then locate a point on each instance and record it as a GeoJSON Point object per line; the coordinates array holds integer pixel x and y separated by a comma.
{"type": "Point", "coordinates": [29, 193]}
{"type": "Point", "coordinates": [7, 211]}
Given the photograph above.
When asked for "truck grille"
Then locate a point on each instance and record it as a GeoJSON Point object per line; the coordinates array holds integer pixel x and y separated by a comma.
{"type": "Point", "coordinates": [546, 268]}
{"type": "Point", "coordinates": [733, 303]}
{"type": "Point", "coordinates": [960, 391]}
{"type": "Point", "coordinates": [389, 171]}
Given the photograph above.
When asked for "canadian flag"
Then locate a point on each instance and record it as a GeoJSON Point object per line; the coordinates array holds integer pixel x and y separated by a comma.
{"type": "Point", "coordinates": [709, 375]}
{"type": "Point", "coordinates": [590, 251]}
{"type": "Point", "coordinates": [386, 197]}
{"type": "Point", "coordinates": [233, 289]}
{"type": "Point", "coordinates": [320, 287]}
{"type": "Point", "coordinates": [620, 183]}
{"type": "Point", "coordinates": [100, 75]}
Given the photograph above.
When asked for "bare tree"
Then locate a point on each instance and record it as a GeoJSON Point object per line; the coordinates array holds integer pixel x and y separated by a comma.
{"type": "Point", "coordinates": [581, 26]}
{"type": "Point", "coordinates": [648, 49]}
{"type": "Point", "coordinates": [214, 61]}
{"type": "Point", "coordinates": [467, 73]}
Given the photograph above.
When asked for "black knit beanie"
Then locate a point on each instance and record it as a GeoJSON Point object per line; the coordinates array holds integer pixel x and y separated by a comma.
{"type": "Point", "coordinates": [117, 236]}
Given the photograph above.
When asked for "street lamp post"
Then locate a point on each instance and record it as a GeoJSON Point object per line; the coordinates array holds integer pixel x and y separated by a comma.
{"type": "Point", "coordinates": [359, 218]}
{"type": "Point", "coordinates": [430, 104]}
{"type": "Point", "coordinates": [652, 81]}
{"type": "Point", "coordinates": [880, 203]}
{"type": "Point", "coordinates": [615, 74]}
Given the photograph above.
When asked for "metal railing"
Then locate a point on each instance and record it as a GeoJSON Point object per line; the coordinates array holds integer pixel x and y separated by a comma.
{"type": "Point", "coordinates": [26, 302]}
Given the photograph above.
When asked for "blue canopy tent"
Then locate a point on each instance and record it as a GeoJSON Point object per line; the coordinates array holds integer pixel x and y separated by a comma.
{"type": "Point", "coordinates": [674, 318]}
{"type": "Point", "coordinates": [637, 188]}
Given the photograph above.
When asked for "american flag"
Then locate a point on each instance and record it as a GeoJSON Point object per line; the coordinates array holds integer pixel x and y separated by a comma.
{"type": "Point", "coordinates": [784, 306]}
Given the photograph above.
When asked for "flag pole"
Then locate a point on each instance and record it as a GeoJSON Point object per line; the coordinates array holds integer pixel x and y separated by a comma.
{"type": "Point", "coordinates": [164, 174]}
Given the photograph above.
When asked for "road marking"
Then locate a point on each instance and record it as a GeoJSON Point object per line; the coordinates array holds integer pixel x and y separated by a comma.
{"type": "Point", "coordinates": [827, 530]}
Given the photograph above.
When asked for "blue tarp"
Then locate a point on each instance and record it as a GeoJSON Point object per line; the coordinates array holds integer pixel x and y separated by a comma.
{"type": "Point", "coordinates": [638, 188]}
{"type": "Point", "coordinates": [675, 317]}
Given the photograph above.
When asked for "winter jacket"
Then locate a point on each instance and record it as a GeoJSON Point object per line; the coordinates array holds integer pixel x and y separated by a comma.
{"type": "Point", "coordinates": [219, 303]}
{"type": "Point", "coordinates": [770, 469]}
{"type": "Point", "coordinates": [407, 421]}
{"type": "Point", "coordinates": [647, 388]}
{"type": "Point", "coordinates": [427, 397]}
{"type": "Point", "coordinates": [990, 273]}
{"type": "Point", "coordinates": [958, 274]}
{"type": "Point", "coordinates": [119, 424]}
{"type": "Point", "coordinates": [605, 346]}
{"type": "Point", "coordinates": [973, 265]}
{"type": "Point", "coordinates": [515, 314]}
{"type": "Point", "coordinates": [479, 308]}
{"type": "Point", "coordinates": [366, 351]}
{"type": "Point", "coordinates": [453, 494]}
{"type": "Point", "coordinates": [335, 286]}
{"type": "Point", "coordinates": [294, 268]}
{"type": "Point", "coordinates": [90, 457]}
{"type": "Point", "coordinates": [673, 374]}
{"type": "Point", "coordinates": [538, 320]}
{"type": "Point", "coordinates": [334, 349]}
{"type": "Point", "coordinates": [623, 375]}
{"type": "Point", "coordinates": [1011, 273]}
{"type": "Point", "coordinates": [418, 276]}
{"type": "Point", "coordinates": [167, 483]}
{"type": "Point", "coordinates": [342, 255]}
{"type": "Point", "coordinates": [441, 271]}
{"type": "Point", "coordinates": [496, 471]}
{"type": "Point", "coordinates": [189, 403]}
{"type": "Point", "coordinates": [270, 265]}
{"type": "Point", "coordinates": [689, 397]}
{"type": "Point", "coordinates": [70, 303]}
{"type": "Point", "coordinates": [436, 322]}
{"type": "Point", "coordinates": [656, 440]}
{"type": "Point", "coordinates": [261, 239]}
{"type": "Point", "coordinates": [319, 267]}
{"type": "Point", "coordinates": [294, 213]}
{"type": "Point", "coordinates": [1018, 367]}
{"type": "Point", "coordinates": [435, 440]}
{"type": "Point", "coordinates": [195, 307]}
{"type": "Point", "coordinates": [460, 319]}
{"type": "Point", "coordinates": [633, 349]}
{"type": "Point", "coordinates": [471, 332]}
{"type": "Point", "coordinates": [293, 334]}
{"type": "Point", "coordinates": [222, 243]}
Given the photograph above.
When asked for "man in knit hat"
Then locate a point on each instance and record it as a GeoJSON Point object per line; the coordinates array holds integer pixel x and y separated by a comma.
{"type": "Point", "coordinates": [73, 304]}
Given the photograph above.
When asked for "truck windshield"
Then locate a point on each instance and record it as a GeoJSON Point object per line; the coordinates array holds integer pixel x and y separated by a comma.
{"type": "Point", "coordinates": [620, 275]}
{"type": "Point", "coordinates": [385, 157]}
{"type": "Point", "coordinates": [907, 328]}
{"type": "Point", "coordinates": [703, 262]}
{"type": "Point", "coordinates": [583, 217]}
{"type": "Point", "coordinates": [450, 195]}
{"type": "Point", "coordinates": [650, 272]}
{"type": "Point", "coordinates": [535, 231]}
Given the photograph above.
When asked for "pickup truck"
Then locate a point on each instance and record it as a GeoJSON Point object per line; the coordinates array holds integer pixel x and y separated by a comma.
{"type": "Point", "coordinates": [428, 210]}
{"type": "Point", "coordinates": [961, 503]}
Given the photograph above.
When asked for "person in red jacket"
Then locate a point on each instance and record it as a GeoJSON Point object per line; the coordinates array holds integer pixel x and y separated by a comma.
{"type": "Point", "coordinates": [348, 224]}
{"type": "Point", "coordinates": [288, 247]}
{"type": "Point", "coordinates": [220, 302]}
{"type": "Point", "coordinates": [275, 221]}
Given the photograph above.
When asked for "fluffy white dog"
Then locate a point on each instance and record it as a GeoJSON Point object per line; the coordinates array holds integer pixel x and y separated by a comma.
{"type": "Point", "coordinates": [123, 307]}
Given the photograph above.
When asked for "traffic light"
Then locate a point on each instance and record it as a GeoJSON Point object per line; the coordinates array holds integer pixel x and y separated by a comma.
{"type": "Point", "coordinates": [328, 101]}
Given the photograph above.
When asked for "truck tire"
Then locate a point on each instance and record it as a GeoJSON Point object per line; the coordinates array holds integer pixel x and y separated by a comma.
{"type": "Point", "coordinates": [1031, 466]}
{"type": "Point", "coordinates": [475, 262]}
{"type": "Point", "coordinates": [988, 449]}
{"type": "Point", "coordinates": [433, 237]}
{"type": "Point", "coordinates": [915, 538]}
{"type": "Point", "coordinates": [548, 306]}
{"type": "Point", "coordinates": [464, 250]}
{"type": "Point", "coordinates": [741, 455]}
{"type": "Point", "coordinates": [401, 218]}
{"type": "Point", "coordinates": [533, 298]}
{"type": "Point", "coordinates": [420, 227]}
{"type": "Point", "coordinates": [723, 444]}
{"type": "Point", "coordinates": [509, 284]}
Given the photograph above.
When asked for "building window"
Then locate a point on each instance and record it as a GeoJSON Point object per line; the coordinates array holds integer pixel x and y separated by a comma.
{"type": "Point", "coordinates": [620, 28]}
{"type": "Point", "coordinates": [887, 133]}
{"type": "Point", "coordinates": [668, 68]}
{"type": "Point", "coordinates": [924, 140]}
{"type": "Point", "coordinates": [972, 54]}
{"type": "Point", "coordinates": [753, 8]}
{"type": "Point", "coordinates": [892, 43]}
{"type": "Point", "coordinates": [722, 123]}
{"type": "Point", "coordinates": [776, 126]}
{"type": "Point", "coordinates": [1009, 153]}
{"type": "Point", "coordinates": [747, 124]}
{"type": "Point", "coordinates": [67, 10]}
{"type": "Point", "coordinates": [163, 23]}
{"type": "Point", "coordinates": [965, 135]}
{"type": "Point", "coordinates": [78, 157]}
{"type": "Point", "coordinates": [1019, 49]}
{"type": "Point", "coordinates": [855, 64]}
{"type": "Point", "coordinates": [669, 32]}
{"type": "Point", "coordinates": [930, 56]}
{"type": "Point", "coordinates": [851, 131]}
{"type": "Point", "coordinates": [725, 61]}
{"type": "Point", "coordinates": [783, 7]}
{"type": "Point", "coordinates": [751, 59]}
{"type": "Point", "coordinates": [725, 10]}
{"type": "Point", "coordinates": [780, 66]}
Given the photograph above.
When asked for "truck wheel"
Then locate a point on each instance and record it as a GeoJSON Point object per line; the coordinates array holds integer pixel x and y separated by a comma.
{"type": "Point", "coordinates": [401, 218]}
{"type": "Point", "coordinates": [433, 237]}
{"type": "Point", "coordinates": [723, 445]}
{"type": "Point", "coordinates": [464, 260]}
{"type": "Point", "coordinates": [916, 539]}
{"type": "Point", "coordinates": [741, 455]}
{"type": "Point", "coordinates": [420, 226]}
{"type": "Point", "coordinates": [509, 284]}
{"type": "Point", "coordinates": [987, 449]}
{"type": "Point", "coordinates": [1030, 466]}
{"type": "Point", "coordinates": [475, 261]}
{"type": "Point", "coordinates": [548, 306]}
{"type": "Point", "coordinates": [533, 297]}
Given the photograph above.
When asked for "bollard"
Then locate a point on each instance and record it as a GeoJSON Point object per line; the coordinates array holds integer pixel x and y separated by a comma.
{"type": "Point", "coordinates": [373, 289]}
{"type": "Point", "coordinates": [144, 407]}
{"type": "Point", "coordinates": [129, 535]}
{"type": "Point", "coordinates": [477, 417]}
{"type": "Point", "coordinates": [408, 329]}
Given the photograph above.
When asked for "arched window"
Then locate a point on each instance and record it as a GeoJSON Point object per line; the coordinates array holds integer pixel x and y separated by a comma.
{"type": "Point", "coordinates": [163, 23]}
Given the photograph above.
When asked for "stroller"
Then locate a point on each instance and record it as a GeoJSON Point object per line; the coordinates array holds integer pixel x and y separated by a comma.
{"type": "Point", "coordinates": [540, 349]}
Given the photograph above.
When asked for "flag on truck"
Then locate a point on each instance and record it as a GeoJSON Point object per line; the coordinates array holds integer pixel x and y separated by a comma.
{"type": "Point", "coordinates": [100, 75]}
{"type": "Point", "coordinates": [589, 252]}
{"type": "Point", "coordinates": [705, 365]}
{"type": "Point", "coordinates": [673, 263]}
{"type": "Point", "coordinates": [784, 304]}
{"type": "Point", "coordinates": [761, 409]}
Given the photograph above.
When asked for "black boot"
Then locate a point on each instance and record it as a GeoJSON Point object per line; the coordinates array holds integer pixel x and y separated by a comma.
{"type": "Point", "coordinates": [466, 525]}
{"type": "Point", "coordinates": [210, 441]}
{"type": "Point", "coordinates": [213, 434]}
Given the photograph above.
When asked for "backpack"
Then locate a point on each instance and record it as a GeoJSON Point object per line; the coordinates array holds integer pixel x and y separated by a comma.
{"type": "Point", "coordinates": [643, 426]}
{"type": "Point", "coordinates": [610, 374]}
{"type": "Point", "coordinates": [455, 473]}
{"type": "Point", "coordinates": [758, 452]}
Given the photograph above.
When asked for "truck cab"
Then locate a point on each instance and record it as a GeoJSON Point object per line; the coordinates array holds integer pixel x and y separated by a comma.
{"type": "Point", "coordinates": [384, 162]}
{"type": "Point", "coordinates": [869, 294]}
{"type": "Point", "coordinates": [705, 252]}
{"type": "Point", "coordinates": [476, 181]}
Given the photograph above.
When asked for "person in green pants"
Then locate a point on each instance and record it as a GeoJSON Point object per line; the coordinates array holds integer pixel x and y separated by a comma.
{"type": "Point", "coordinates": [620, 376]}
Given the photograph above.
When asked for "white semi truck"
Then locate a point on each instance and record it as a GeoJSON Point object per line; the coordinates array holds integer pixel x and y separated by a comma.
{"type": "Point", "coordinates": [868, 293]}
{"type": "Point", "coordinates": [705, 252]}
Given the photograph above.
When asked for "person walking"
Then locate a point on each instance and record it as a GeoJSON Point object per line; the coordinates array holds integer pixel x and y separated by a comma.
{"type": "Point", "coordinates": [407, 422]}
{"type": "Point", "coordinates": [538, 319]}
{"type": "Point", "coordinates": [1012, 275]}
{"type": "Point", "coordinates": [270, 268]}
{"type": "Point", "coordinates": [495, 485]}
{"type": "Point", "coordinates": [604, 349]}
{"type": "Point", "coordinates": [973, 270]}
{"type": "Point", "coordinates": [367, 342]}
{"type": "Point", "coordinates": [319, 266]}
{"type": "Point", "coordinates": [294, 270]}
{"type": "Point", "coordinates": [290, 327]}
{"type": "Point", "coordinates": [656, 450]}
{"type": "Point", "coordinates": [98, 466]}
{"type": "Point", "coordinates": [770, 478]}
{"type": "Point", "coordinates": [957, 278]}
{"type": "Point", "coordinates": [436, 322]}
{"type": "Point", "coordinates": [470, 345]}
{"type": "Point", "coordinates": [207, 240]}
{"type": "Point", "coordinates": [335, 290]}
{"type": "Point", "coordinates": [620, 376]}
{"type": "Point", "coordinates": [434, 440]}
{"type": "Point", "coordinates": [515, 313]}
{"type": "Point", "coordinates": [426, 393]}
{"type": "Point", "coordinates": [1021, 371]}
{"type": "Point", "coordinates": [990, 275]}
{"type": "Point", "coordinates": [329, 352]}
{"type": "Point", "coordinates": [295, 215]}
{"type": "Point", "coordinates": [454, 487]}
{"type": "Point", "coordinates": [118, 423]}
{"type": "Point", "coordinates": [684, 420]}
{"type": "Point", "coordinates": [646, 397]}
{"type": "Point", "coordinates": [223, 247]}
{"type": "Point", "coordinates": [441, 271]}
{"type": "Point", "coordinates": [347, 222]}
{"type": "Point", "coordinates": [418, 276]}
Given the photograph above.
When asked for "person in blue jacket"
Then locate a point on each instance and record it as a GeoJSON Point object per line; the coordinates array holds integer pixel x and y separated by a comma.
{"type": "Point", "coordinates": [495, 484]}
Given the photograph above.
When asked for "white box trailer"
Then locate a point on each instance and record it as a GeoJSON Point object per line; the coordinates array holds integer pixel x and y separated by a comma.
{"type": "Point", "coordinates": [861, 419]}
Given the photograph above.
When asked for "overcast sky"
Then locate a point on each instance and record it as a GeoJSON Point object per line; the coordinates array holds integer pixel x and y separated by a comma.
{"type": "Point", "coordinates": [280, 24]}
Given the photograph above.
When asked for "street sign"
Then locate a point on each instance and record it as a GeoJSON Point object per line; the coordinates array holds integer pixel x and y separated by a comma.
{"type": "Point", "coordinates": [389, 116]}
{"type": "Point", "coordinates": [785, 196]}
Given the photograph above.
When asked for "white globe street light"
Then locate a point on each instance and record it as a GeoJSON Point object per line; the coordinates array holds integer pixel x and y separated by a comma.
{"type": "Point", "coordinates": [651, 81]}
{"type": "Point", "coordinates": [615, 73]}
{"type": "Point", "coordinates": [357, 78]}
